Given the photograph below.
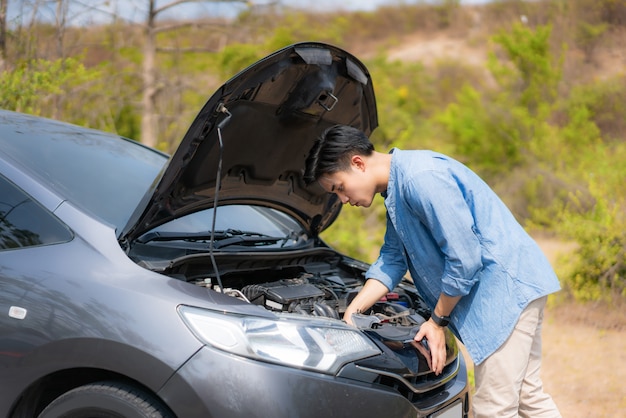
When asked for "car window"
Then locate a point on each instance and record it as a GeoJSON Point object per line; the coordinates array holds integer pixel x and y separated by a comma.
{"type": "Point", "coordinates": [25, 223]}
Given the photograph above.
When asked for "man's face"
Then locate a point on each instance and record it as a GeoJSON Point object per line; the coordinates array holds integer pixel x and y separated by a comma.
{"type": "Point", "coordinates": [354, 185]}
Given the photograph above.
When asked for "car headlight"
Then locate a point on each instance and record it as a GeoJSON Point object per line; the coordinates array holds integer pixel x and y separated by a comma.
{"type": "Point", "coordinates": [312, 343]}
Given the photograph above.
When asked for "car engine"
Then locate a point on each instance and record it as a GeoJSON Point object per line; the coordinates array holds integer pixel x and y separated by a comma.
{"type": "Point", "coordinates": [314, 287]}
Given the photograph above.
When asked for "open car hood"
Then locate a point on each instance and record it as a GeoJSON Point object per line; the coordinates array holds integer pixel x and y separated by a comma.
{"type": "Point", "coordinates": [266, 119]}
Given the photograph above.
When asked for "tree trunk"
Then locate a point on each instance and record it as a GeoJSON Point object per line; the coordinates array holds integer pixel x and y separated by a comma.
{"type": "Point", "coordinates": [61, 16]}
{"type": "Point", "coordinates": [3, 34]}
{"type": "Point", "coordinates": [148, 116]}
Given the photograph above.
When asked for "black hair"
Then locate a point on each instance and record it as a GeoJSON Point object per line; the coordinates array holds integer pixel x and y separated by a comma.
{"type": "Point", "coordinates": [333, 151]}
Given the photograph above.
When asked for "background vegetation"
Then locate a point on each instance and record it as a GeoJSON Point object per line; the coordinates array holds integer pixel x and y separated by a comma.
{"type": "Point", "coordinates": [540, 122]}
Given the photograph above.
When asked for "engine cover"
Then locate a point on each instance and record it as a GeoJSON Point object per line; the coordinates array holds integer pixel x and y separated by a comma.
{"type": "Point", "coordinates": [282, 295]}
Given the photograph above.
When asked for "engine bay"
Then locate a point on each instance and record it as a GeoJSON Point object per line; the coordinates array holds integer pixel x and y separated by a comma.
{"type": "Point", "coordinates": [320, 283]}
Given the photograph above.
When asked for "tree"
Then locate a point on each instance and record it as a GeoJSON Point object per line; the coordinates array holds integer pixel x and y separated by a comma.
{"type": "Point", "coordinates": [149, 116]}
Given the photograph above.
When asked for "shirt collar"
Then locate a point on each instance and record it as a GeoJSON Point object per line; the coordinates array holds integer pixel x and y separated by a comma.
{"type": "Point", "coordinates": [391, 170]}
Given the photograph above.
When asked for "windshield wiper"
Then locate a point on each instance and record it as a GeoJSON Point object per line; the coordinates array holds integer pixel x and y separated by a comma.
{"type": "Point", "coordinates": [223, 238]}
{"type": "Point", "coordinates": [179, 236]}
{"type": "Point", "coordinates": [248, 238]}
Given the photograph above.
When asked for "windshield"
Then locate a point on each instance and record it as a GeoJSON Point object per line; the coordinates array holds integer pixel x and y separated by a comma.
{"type": "Point", "coordinates": [101, 173]}
{"type": "Point", "coordinates": [233, 220]}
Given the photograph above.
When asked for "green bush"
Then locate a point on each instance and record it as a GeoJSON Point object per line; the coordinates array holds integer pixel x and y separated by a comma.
{"type": "Point", "coordinates": [34, 86]}
{"type": "Point", "coordinates": [486, 136]}
{"type": "Point", "coordinates": [236, 57]}
{"type": "Point", "coordinates": [588, 37]}
{"type": "Point", "coordinates": [604, 102]}
{"type": "Point", "coordinates": [597, 269]}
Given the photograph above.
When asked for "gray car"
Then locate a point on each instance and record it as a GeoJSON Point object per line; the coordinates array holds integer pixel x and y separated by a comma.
{"type": "Point", "coordinates": [135, 284]}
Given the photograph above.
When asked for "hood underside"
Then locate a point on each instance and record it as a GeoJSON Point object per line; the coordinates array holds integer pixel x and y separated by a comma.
{"type": "Point", "coordinates": [261, 124]}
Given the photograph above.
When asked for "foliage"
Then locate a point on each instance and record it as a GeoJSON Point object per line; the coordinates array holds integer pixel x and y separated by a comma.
{"type": "Point", "coordinates": [597, 270]}
{"type": "Point", "coordinates": [534, 73]}
{"type": "Point", "coordinates": [593, 213]}
{"type": "Point", "coordinates": [604, 102]}
{"type": "Point", "coordinates": [501, 129]}
{"type": "Point", "coordinates": [33, 87]}
{"type": "Point", "coordinates": [612, 12]}
{"type": "Point", "coordinates": [485, 135]}
{"type": "Point", "coordinates": [65, 89]}
{"type": "Point", "coordinates": [126, 121]}
{"type": "Point", "coordinates": [401, 93]}
{"type": "Point", "coordinates": [588, 37]}
{"type": "Point", "coordinates": [445, 12]}
{"type": "Point", "coordinates": [235, 57]}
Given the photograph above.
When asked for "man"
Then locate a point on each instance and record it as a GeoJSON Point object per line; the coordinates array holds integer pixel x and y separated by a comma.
{"type": "Point", "coordinates": [477, 269]}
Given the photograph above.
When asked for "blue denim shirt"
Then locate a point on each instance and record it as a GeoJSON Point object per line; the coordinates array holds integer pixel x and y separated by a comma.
{"type": "Point", "coordinates": [454, 235]}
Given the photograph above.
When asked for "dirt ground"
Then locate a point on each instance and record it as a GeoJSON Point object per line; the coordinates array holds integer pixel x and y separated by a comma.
{"type": "Point", "coordinates": [584, 354]}
{"type": "Point", "coordinates": [584, 361]}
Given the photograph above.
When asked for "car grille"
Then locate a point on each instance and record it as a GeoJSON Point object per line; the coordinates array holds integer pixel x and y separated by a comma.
{"type": "Point", "coordinates": [415, 387]}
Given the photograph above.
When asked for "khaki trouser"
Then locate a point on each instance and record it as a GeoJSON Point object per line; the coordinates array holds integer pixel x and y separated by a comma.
{"type": "Point", "coordinates": [508, 382]}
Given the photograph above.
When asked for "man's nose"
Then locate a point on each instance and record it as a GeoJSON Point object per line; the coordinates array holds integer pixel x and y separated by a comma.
{"type": "Point", "coordinates": [344, 199]}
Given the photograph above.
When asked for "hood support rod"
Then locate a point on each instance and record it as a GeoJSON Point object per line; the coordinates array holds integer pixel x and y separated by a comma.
{"type": "Point", "coordinates": [218, 180]}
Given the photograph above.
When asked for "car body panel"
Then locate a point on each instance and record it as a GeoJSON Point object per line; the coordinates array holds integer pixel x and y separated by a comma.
{"type": "Point", "coordinates": [285, 394]}
{"type": "Point", "coordinates": [98, 323]}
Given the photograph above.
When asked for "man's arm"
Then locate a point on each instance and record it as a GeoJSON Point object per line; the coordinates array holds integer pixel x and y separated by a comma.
{"type": "Point", "coordinates": [369, 295]}
{"type": "Point", "coordinates": [435, 333]}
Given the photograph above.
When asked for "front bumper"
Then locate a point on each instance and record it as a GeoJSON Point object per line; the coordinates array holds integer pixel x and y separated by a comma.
{"type": "Point", "coordinates": [217, 384]}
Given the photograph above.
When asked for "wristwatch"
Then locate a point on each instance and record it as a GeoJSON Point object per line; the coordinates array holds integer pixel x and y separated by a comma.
{"type": "Point", "coordinates": [442, 321]}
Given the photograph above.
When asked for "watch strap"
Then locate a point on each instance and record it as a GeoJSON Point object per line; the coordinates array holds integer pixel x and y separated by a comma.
{"type": "Point", "coordinates": [442, 321]}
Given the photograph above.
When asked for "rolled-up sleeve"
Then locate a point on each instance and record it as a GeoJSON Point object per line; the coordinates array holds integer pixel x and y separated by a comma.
{"type": "Point", "coordinates": [391, 265]}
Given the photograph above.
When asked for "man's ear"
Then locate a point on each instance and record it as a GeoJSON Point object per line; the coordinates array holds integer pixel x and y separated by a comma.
{"type": "Point", "coordinates": [358, 162]}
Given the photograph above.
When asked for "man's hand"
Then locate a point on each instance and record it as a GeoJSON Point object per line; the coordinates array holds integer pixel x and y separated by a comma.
{"type": "Point", "coordinates": [435, 335]}
{"type": "Point", "coordinates": [370, 294]}
{"type": "Point", "coordinates": [436, 338]}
